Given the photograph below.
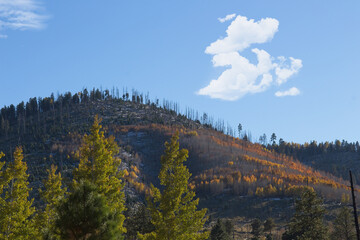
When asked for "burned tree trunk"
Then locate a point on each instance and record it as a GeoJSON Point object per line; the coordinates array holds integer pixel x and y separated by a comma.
{"type": "Point", "coordinates": [354, 206]}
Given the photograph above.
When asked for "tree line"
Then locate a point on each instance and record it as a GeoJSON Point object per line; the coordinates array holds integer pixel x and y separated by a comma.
{"type": "Point", "coordinates": [13, 118]}
{"type": "Point", "coordinates": [313, 147]}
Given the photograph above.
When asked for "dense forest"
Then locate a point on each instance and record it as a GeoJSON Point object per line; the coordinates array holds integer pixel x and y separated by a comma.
{"type": "Point", "coordinates": [257, 188]}
{"type": "Point", "coordinates": [335, 157]}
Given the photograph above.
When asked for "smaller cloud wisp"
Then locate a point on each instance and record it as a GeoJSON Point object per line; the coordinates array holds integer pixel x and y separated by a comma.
{"type": "Point", "coordinates": [227, 18]}
{"type": "Point", "coordinates": [21, 15]}
{"type": "Point", "coordinates": [291, 92]}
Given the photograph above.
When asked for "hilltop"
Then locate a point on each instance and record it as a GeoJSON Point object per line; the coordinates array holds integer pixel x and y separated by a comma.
{"type": "Point", "coordinates": [233, 177]}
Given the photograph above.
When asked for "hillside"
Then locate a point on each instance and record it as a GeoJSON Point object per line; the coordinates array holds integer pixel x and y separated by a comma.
{"type": "Point", "coordinates": [226, 171]}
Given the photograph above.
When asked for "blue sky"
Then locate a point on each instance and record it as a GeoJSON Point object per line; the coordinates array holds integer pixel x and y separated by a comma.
{"type": "Point", "coordinates": [274, 66]}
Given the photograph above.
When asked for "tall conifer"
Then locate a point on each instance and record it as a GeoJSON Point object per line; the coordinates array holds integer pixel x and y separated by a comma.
{"type": "Point", "coordinates": [100, 167]}
{"type": "Point", "coordinates": [16, 209]}
{"type": "Point", "coordinates": [308, 219]}
{"type": "Point", "coordinates": [173, 210]}
{"type": "Point", "coordinates": [52, 195]}
{"type": "Point", "coordinates": [218, 231]}
{"type": "Point", "coordinates": [344, 227]}
{"type": "Point", "coordinates": [84, 215]}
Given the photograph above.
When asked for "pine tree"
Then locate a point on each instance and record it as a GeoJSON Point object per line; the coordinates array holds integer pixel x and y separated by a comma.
{"type": "Point", "coordinates": [256, 227]}
{"type": "Point", "coordinates": [16, 209]}
{"type": "Point", "coordinates": [138, 221]}
{"type": "Point", "coordinates": [85, 215]}
{"type": "Point", "coordinates": [173, 210]}
{"type": "Point", "coordinates": [218, 231]}
{"type": "Point", "coordinates": [268, 227]}
{"type": "Point", "coordinates": [52, 195]}
{"type": "Point", "coordinates": [229, 227]}
{"type": "Point", "coordinates": [307, 222]}
{"type": "Point", "coordinates": [99, 166]}
{"type": "Point", "coordinates": [344, 227]}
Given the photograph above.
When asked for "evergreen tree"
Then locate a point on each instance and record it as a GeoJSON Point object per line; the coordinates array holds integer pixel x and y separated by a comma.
{"type": "Point", "coordinates": [218, 231]}
{"type": "Point", "coordinates": [344, 227]}
{"type": "Point", "coordinates": [173, 210]}
{"type": "Point", "coordinates": [273, 138]}
{"type": "Point", "coordinates": [256, 227]}
{"type": "Point", "coordinates": [307, 222]}
{"type": "Point", "coordinates": [85, 215]}
{"type": "Point", "coordinates": [229, 227]}
{"type": "Point", "coordinates": [99, 166]}
{"type": "Point", "coordinates": [138, 221]}
{"type": "Point", "coordinates": [239, 129]}
{"type": "Point", "coordinates": [268, 227]}
{"type": "Point", "coordinates": [52, 195]}
{"type": "Point", "coordinates": [16, 209]}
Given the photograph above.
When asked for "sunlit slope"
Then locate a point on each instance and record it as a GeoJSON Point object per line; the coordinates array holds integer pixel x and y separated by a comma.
{"type": "Point", "coordinates": [223, 164]}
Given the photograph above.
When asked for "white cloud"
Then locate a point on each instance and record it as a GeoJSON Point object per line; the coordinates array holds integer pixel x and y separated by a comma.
{"type": "Point", "coordinates": [242, 33]}
{"type": "Point", "coordinates": [21, 15]}
{"type": "Point", "coordinates": [2, 36]}
{"type": "Point", "coordinates": [291, 92]}
{"type": "Point", "coordinates": [283, 73]}
{"type": "Point", "coordinates": [243, 77]}
{"type": "Point", "coordinates": [227, 18]}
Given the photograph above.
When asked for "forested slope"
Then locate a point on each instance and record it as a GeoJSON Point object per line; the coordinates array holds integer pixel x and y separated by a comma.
{"type": "Point", "coordinates": [50, 131]}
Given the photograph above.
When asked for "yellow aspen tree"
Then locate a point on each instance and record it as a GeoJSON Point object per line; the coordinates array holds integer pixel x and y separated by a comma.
{"type": "Point", "coordinates": [174, 211]}
{"type": "Point", "coordinates": [16, 209]}
{"type": "Point", "coordinates": [100, 167]}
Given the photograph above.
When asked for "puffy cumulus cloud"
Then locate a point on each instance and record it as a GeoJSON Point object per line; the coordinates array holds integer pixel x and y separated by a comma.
{"type": "Point", "coordinates": [241, 76]}
{"type": "Point", "coordinates": [21, 15]}
{"type": "Point", "coordinates": [291, 92]}
{"type": "Point", "coordinates": [227, 18]}
{"type": "Point", "coordinates": [242, 33]}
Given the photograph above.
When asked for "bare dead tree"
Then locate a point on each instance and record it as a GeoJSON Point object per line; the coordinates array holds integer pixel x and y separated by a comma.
{"type": "Point", "coordinates": [354, 206]}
